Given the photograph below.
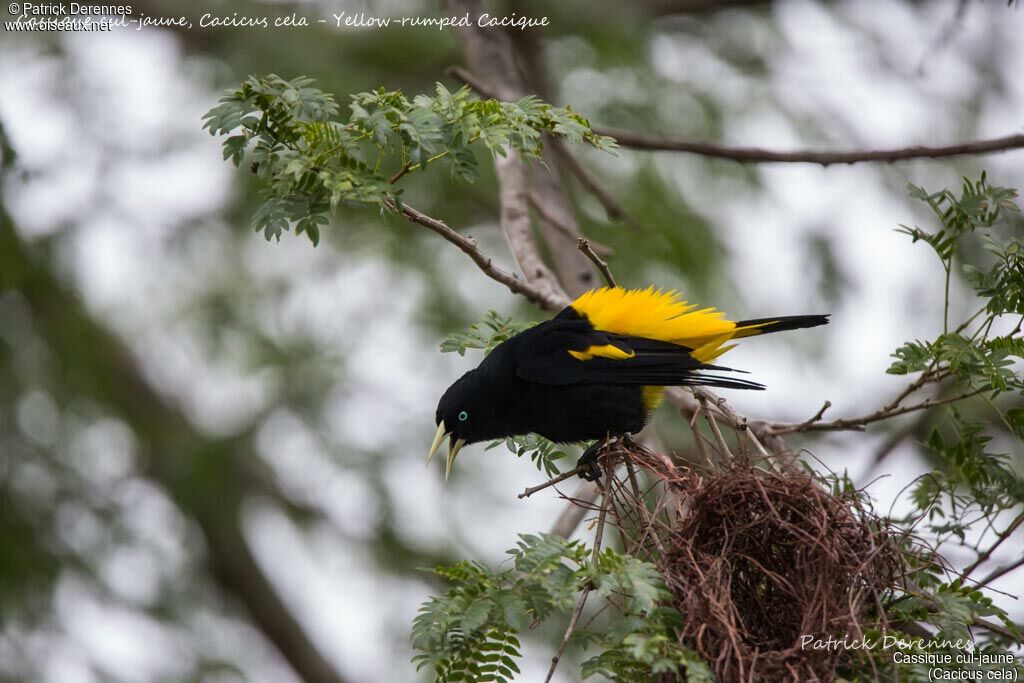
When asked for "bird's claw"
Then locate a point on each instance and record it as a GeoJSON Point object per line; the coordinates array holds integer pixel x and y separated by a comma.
{"type": "Point", "coordinates": [589, 460]}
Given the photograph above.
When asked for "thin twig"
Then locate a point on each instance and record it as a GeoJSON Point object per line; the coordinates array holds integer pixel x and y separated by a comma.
{"type": "Point", "coordinates": [598, 535]}
{"type": "Point", "coordinates": [737, 421]}
{"type": "Point", "coordinates": [1001, 571]}
{"type": "Point", "coordinates": [709, 416]}
{"type": "Point", "coordinates": [550, 300]}
{"type": "Point", "coordinates": [859, 423]}
{"type": "Point", "coordinates": [983, 557]}
{"type": "Point", "coordinates": [998, 629]}
{"type": "Point", "coordinates": [401, 173]}
{"type": "Point", "coordinates": [572, 514]}
{"type": "Point", "coordinates": [559, 225]}
{"type": "Point", "coordinates": [815, 418]}
{"type": "Point", "coordinates": [585, 246]}
{"type": "Point", "coordinates": [612, 207]}
{"type": "Point", "coordinates": [748, 155]}
{"type": "Point", "coordinates": [551, 482]}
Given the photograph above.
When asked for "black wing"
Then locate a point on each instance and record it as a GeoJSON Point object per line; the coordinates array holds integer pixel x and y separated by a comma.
{"type": "Point", "coordinates": [544, 358]}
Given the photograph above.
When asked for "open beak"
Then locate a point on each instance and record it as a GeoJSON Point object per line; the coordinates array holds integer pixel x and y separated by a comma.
{"type": "Point", "coordinates": [453, 449]}
{"type": "Point", "coordinates": [438, 438]}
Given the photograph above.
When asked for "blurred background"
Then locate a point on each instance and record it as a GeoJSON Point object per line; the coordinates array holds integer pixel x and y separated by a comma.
{"type": "Point", "coordinates": [212, 446]}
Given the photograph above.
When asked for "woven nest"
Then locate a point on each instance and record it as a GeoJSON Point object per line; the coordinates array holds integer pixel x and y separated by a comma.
{"type": "Point", "coordinates": [757, 559]}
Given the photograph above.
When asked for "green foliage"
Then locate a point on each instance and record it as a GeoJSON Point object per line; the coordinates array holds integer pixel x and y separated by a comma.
{"type": "Point", "coordinates": [971, 477]}
{"type": "Point", "coordinates": [980, 205]}
{"type": "Point", "coordinates": [312, 162]}
{"type": "Point", "coordinates": [971, 485]}
{"type": "Point", "coordinates": [484, 334]}
{"type": "Point", "coordinates": [951, 607]}
{"type": "Point", "coordinates": [641, 643]}
{"type": "Point", "coordinates": [914, 356]}
{"type": "Point", "coordinates": [984, 364]}
{"type": "Point", "coordinates": [1002, 284]}
{"type": "Point", "coordinates": [470, 633]}
{"type": "Point", "coordinates": [543, 453]}
{"type": "Point", "coordinates": [639, 648]}
{"type": "Point", "coordinates": [459, 633]}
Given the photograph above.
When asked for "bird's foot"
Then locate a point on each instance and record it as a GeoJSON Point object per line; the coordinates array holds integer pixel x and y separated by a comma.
{"type": "Point", "coordinates": [589, 460]}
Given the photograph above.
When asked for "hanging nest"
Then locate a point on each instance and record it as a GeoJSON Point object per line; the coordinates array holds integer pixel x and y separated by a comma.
{"type": "Point", "coordinates": [755, 560]}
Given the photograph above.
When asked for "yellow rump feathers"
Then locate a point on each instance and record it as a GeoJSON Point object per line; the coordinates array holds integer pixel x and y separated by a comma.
{"type": "Point", "coordinates": [658, 314]}
{"type": "Point", "coordinates": [605, 351]}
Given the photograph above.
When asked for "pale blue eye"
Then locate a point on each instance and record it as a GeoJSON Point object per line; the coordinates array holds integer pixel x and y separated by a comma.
{"type": "Point", "coordinates": [463, 416]}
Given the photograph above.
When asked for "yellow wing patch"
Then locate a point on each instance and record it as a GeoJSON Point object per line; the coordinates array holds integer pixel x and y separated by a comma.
{"type": "Point", "coordinates": [657, 314]}
{"type": "Point", "coordinates": [605, 351]}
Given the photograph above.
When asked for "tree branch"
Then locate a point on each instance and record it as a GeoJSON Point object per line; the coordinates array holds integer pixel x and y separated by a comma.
{"type": "Point", "coordinates": [551, 482]}
{"type": "Point", "coordinates": [859, 423]}
{"type": "Point", "coordinates": [612, 207]}
{"type": "Point", "coordinates": [569, 232]}
{"type": "Point", "coordinates": [746, 155]}
{"type": "Point", "coordinates": [585, 246]}
{"type": "Point", "coordinates": [544, 298]}
{"type": "Point", "coordinates": [515, 223]}
{"type": "Point", "coordinates": [490, 52]}
{"type": "Point", "coordinates": [598, 534]}
{"type": "Point", "coordinates": [983, 557]}
{"type": "Point", "coordinates": [664, 143]}
{"type": "Point", "coordinates": [1001, 571]}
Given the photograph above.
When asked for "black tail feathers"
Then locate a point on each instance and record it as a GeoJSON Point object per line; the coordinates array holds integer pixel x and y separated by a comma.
{"type": "Point", "coordinates": [781, 324]}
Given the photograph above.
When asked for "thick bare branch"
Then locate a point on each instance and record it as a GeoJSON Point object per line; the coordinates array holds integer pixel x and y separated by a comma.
{"type": "Point", "coordinates": [557, 221]}
{"type": "Point", "coordinates": [548, 190]}
{"type": "Point", "coordinates": [515, 223]}
{"type": "Point", "coordinates": [490, 52]}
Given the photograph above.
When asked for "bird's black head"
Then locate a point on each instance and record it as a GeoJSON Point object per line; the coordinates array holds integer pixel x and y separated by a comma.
{"type": "Point", "coordinates": [466, 413]}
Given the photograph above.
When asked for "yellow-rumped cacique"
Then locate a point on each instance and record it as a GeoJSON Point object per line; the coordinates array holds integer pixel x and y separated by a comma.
{"type": "Point", "coordinates": [598, 368]}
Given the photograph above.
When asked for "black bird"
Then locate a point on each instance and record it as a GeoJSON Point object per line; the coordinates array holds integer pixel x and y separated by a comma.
{"type": "Point", "coordinates": [599, 367]}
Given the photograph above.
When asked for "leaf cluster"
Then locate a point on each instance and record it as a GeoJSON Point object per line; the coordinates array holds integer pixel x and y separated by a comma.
{"type": "Point", "coordinates": [984, 364]}
{"type": "Point", "coordinates": [980, 205]}
{"type": "Point", "coordinates": [311, 161]}
{"type": "Point", "coordinates": [471, 632]}
{"type": "Point", "coordinates": [484, 334]}
{"type": "Point", "coordinates": [543, 453]}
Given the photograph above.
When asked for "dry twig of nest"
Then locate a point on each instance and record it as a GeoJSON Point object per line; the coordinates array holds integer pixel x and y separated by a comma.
{"type": "Point", "coordinates": [758, 559]}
